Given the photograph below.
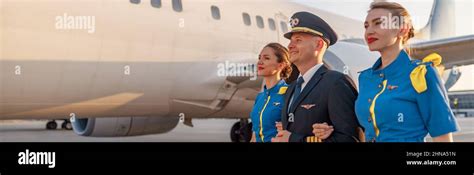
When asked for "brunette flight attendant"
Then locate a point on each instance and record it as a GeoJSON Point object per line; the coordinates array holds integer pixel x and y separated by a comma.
{"type": "Point", "coordinates": [274, 67]}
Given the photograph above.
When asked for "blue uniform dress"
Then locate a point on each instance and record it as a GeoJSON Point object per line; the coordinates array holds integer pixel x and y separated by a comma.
{"type": "Point", "coordinates": [390, 108]}
{"type": "Point", "coordinates": [267, 110]}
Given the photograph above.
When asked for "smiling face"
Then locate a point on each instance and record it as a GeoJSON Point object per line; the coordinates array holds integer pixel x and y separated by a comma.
{"type": "Point", "coordinates": [379, 36]}
{"type": "Point", "coordinates": [268, 64]}
{"type": "Point", "coordinates": [304, 47]}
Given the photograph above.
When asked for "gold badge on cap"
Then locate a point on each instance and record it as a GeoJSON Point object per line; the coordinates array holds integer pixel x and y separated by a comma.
{"type": "Point", "coordinates": [294, 22]}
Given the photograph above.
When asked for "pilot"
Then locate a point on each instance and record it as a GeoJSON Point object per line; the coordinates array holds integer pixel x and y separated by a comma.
{"type": "Point", "coordinates": [319, 95]}
{"type": "Point", "coordinates": [274, 67]}
{"type": "Point", "coordinates": [400, 99]}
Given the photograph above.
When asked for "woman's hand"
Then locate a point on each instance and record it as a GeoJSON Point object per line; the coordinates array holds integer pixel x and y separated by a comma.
{"type": "Point", "coordinates": [279, 126]}
{"type": "Point", "coordinates": [322, 130]}
{"type": "Point", "coordinates": [444, 138]}
{"type": "Point", "coordinates": [283, 135]}
{"type": "Point", "coordinates": [253, 138]}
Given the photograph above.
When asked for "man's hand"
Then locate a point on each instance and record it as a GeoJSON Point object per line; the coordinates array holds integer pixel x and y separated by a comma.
{"type": "Point", "coordinates": [322, 130]}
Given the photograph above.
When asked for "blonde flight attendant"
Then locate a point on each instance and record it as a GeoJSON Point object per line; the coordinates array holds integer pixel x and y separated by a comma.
{"type": "Point", "coordinates": [400, 99]}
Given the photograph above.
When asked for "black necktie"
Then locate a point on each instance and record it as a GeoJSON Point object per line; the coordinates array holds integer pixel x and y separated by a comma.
{"type": "Point", "coordinates": [297, 92]}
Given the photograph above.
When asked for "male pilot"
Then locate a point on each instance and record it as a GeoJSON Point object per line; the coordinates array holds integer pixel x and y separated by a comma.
{"type": "Point", "coordinates": [319, 95]}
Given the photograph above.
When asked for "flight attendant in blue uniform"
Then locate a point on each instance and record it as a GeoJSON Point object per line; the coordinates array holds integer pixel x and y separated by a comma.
{"type": "Point", "coordinates": [274, 67]}
{"type": "Point", "coordinates": [400, 99]}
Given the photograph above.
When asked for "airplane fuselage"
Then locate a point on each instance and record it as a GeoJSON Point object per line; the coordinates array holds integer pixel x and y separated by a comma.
{"type": "Point", "coordinates": [138, 60]}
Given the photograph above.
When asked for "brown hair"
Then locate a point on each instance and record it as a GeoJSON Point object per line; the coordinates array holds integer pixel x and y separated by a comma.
{"type": "Point", "coordinates": [397, 10]}
{"type": "Point", "coordinates": [283, 56]}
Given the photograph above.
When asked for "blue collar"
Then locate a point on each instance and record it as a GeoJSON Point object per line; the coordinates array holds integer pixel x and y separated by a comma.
{"type": "Point", "coordinates": [393, 69]}
{"type": "Point", "coordinates": [275, 88]}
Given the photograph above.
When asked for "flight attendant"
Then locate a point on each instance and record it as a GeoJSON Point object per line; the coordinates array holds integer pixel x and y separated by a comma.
{"type": "Point", "coordinates": [274, 67]}
{"type": "Point", "coordinates": [400, 99]}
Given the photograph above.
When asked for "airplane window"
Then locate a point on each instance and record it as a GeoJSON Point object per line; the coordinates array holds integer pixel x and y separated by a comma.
{"type": "Point", "coordinates": [260, 22]}
{"type": "Point", "coordinates": [177, 5]}
{"type": "Point", "coordinates": [216, 14]}
{"type": "Point", "coordinates": [271, 24]}
{"type": "Point", "coordinates": [246, 18]}
{"type": "Point", "coordinates": [284, 27]}
{"type": "Point", "coordinates": [156, 3]}
{"type": "Point", "coordinates": [135, 1]}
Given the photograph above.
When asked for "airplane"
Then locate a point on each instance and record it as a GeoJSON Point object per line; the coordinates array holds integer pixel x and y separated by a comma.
{"type": "Point", "coordinates": [137, 67]}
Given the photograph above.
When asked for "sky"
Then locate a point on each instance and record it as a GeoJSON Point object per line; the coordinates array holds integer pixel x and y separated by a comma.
{"type": "Point", "coordinates": [420, 10]}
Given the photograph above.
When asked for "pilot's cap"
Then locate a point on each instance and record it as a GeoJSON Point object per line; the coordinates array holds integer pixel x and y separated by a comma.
{"type": "Point", "coordinates": [309, 23]}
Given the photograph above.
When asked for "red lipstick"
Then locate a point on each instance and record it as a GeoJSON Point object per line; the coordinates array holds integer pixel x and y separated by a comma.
{"type": "Point", "coordinates": [371, 40]}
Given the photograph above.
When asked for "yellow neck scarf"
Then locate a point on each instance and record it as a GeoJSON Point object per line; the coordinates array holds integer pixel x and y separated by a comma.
{"type": "Point", "coordinates": [417, 76]}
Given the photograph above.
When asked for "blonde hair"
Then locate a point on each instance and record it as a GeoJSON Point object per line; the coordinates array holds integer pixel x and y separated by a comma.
{"type": "Point", "coordinates": [397, 10]}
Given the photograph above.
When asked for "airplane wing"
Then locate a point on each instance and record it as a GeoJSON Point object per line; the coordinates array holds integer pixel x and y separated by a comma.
{"type": "Point", "coordinates": [456, 51]}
